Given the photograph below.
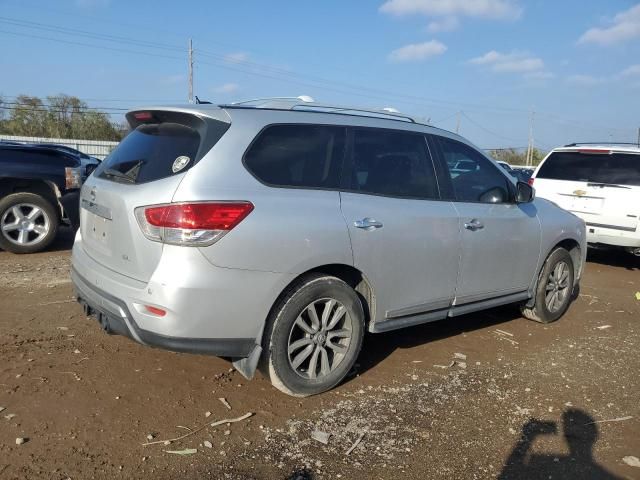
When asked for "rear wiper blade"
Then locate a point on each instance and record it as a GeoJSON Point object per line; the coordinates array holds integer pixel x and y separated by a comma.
{"type": "Point", "coordinates": [111, 172]}
{"type": "Point", "coordinates": [602, 185]}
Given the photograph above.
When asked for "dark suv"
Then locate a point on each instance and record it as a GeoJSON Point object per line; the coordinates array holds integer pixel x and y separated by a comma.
{"type": "Point", "coordinates": [38, 190]}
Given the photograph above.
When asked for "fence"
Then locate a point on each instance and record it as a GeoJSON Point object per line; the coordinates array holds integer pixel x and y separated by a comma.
{"type": "Point", "coordinates": [96, 148]}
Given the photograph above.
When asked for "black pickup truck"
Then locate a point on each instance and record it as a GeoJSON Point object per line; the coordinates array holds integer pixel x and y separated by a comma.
{"type": "Point", "coordinates": [38, 191]}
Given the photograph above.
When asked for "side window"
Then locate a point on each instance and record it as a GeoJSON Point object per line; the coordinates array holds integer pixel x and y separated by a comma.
{"type": "Point", "coordinates": [392, 163]}
{"type": "Point", "coordinates": [298, 156]}
{"type": "Point", "coordinates": [473, 177]}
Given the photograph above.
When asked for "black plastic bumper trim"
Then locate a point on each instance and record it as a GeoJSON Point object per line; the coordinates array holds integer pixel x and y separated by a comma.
{"type": "Point", "coordinates": [115, 324]}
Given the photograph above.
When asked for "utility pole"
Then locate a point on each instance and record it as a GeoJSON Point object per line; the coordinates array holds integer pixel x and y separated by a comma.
{"type": "Point", "coordinates": [530, 146]}
{"type": "Point", "coordinates": [190, 71]}
{"type": "Point", "coordinates": [639, 137]}
{"type": "Point", "coordinates": [458, 122]}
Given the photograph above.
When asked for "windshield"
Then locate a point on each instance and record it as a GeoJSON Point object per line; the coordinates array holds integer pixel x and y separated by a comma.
{"type": "Point", "coordinates": [614, 168]}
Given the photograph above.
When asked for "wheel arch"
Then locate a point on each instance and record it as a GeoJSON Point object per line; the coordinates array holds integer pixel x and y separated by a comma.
{"type": "Point", "coordinates": [573, 247]}
{"type": "Point", "coordinates": [575, 251]}
{"type": "Point", "coordinates": [348, 274]}
{"type": "Point", "coordinates": [46, 189]}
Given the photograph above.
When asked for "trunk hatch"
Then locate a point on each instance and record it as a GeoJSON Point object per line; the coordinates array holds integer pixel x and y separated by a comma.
{"type": "Point", "coordinates": [146, 168]}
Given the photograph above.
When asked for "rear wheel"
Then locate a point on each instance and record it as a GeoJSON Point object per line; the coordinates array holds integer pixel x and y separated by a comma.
{"type": "Point", "coordinates": [314, 336]}
{"type": "Point", "coordinates": [28, 223]}
{"type": "Point", "coordinates": [554, 290]}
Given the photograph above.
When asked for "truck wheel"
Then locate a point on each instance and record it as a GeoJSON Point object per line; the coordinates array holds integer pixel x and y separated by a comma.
{"type": "Point", "coordinates": [28, 223]}
{"type": "Point", "coordinates": [313, 336]}
{"type": "Point", "coordinates": [554, 290]}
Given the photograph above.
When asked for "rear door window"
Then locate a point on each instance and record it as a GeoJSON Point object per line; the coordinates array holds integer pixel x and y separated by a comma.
{"type": "Point", "coordinates": [303, 156]}
{"type": "Point", "coordinates": [165, 144]}
{"type": "Point", "coordinates": [614, 168]}
{"type": "Point", "coordinates": [392, 163]}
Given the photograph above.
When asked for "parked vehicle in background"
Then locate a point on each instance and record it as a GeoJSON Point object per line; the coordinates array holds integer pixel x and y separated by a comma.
{"type": "Point", "coordinates": [505, 166]}
{"type": "Point", "coordinates": [38, 190]}
{"type": "Point", "coordinates": [276, 232]}
{"type": "Point", "coordinates": [89, 162]}
{"type": "Point", "coordinates": [523, 173]}
{"type": "Point", "coordinates": [600, 183]}
{"type": "Point", "coordinates": [516, 172]}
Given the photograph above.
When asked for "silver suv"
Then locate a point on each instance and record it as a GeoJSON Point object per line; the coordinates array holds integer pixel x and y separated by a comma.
{"type": "Point", "coordinates": [277, 232]}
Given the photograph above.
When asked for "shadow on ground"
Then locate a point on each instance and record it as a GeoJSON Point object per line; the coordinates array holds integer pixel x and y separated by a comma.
{"type": "Point", "coordinates": [580, 433]}
{"type": "Point", "coordinates": [614, 258]}
{"type": "Point", "coordinates": [380, 345]}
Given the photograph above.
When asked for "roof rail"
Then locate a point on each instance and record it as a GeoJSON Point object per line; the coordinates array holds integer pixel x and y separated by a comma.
{"type": "Point", "coordinates": [308, 104]}
{"type": "Point", "coordinates": [266, 100]}
{"type": "Point", "coordinates": [381, 113]}
{"type": "Point", "coordinates": [575, 144]}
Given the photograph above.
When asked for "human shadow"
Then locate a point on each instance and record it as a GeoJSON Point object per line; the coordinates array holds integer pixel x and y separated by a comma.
{"type": "Point", "coordinates": [580, 432]}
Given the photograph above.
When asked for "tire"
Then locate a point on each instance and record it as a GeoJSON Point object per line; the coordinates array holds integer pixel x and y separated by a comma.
{"type": "Point", "coordinates": [541, 312]}
{"type": "Point", "coordinates": [34, 236]}
{"type": "Point", "coordinates": [283, 332]}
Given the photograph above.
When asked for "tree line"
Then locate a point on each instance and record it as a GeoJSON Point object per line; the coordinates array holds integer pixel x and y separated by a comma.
{"type": "Point", "coordinates": [60, 116]}
{"type": "Point", "coordinates": [514, 156]}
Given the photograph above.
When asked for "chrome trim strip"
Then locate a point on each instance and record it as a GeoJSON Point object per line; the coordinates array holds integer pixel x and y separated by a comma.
{"type": "Point", "coordinates": [96, 209]}
{"type": "Point", "coordinates": [612, 227]}
{"type": "Point", "coordinates": [420, 308]}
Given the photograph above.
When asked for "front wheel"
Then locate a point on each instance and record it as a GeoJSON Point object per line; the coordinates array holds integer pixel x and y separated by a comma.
{"type": "Point", "coordinates": [314, 336]}
{"type": "Point", "coordinates": [555, 288]}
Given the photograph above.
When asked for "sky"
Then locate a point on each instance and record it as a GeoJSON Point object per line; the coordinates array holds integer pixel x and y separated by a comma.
{"type": "Point", "coordinates": [482, 66]}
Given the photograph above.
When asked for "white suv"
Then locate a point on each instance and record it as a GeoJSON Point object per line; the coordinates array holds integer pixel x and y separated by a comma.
{"type": "Point", "coordinates": [600, 183]}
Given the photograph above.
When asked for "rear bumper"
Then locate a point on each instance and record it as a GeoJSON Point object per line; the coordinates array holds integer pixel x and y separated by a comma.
{"type": "Point", "coordinates": [100, 304]}
{"type": "Point", "coordinates": [209, 310]}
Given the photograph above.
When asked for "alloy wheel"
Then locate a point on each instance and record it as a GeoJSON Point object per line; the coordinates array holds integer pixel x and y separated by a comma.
{"type": "Point", "coordinates": [557, 288]}
{"type": "Point", "coordinates": [25, 224]}
{"type": "Point", "coordinates": [319, 338]}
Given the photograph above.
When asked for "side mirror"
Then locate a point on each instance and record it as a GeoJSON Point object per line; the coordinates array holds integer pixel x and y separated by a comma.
{"type": "Point", "coordinates": [524, 193]}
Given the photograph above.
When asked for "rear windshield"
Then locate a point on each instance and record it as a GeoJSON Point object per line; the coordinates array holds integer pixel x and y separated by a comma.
{"type": "Point", "coordinates": [168, 144]}
{"type": "Point", "coordinates": [615, 168]}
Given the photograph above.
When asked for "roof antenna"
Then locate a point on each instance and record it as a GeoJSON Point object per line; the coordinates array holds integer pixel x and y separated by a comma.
{"type": "Point", "coordinates": [201, 102]}
{"type": "Point", "coordinates": [306, 99]}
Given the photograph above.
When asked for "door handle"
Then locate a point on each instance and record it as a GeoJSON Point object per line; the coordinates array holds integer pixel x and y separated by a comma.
{"type": "Point", "coordinates": [367, 224]}
{"type": "Point", "coordinates": [474, 225]}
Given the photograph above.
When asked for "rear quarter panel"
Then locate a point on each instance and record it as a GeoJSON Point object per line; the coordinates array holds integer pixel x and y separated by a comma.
{"type": "Point", "coordinates": [290, 230]}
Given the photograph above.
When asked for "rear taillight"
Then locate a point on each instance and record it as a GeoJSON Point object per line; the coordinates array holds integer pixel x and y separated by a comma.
{"type": "Point", "coordinates": [192, 224]}
{"type": "Point", "coordinates": [72, 177]}
{"type": "Point", "coordinates": [530, 181]}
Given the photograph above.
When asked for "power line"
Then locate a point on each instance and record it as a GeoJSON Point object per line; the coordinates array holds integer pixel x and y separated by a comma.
{"type": "Point", "coordinates": [84, 33]}
{"type": "Point", "coordinates": [277, 73]}
{"type": "Point", "coordinates": [265, 71]}
{"type": "Point", "coordinates": [69, 42]}
{"type": "Point", "coordinates": [29, 109]}
{"type": "Point", "coordinates": [487, 130]}
{"type": "Point", "coordinates": [318, 81]}
{"type": "Point", "coordinates": [71, 108]}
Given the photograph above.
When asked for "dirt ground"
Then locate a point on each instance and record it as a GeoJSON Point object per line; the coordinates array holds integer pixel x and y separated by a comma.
{"type": "Point", "coordinates": [522, 400]}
